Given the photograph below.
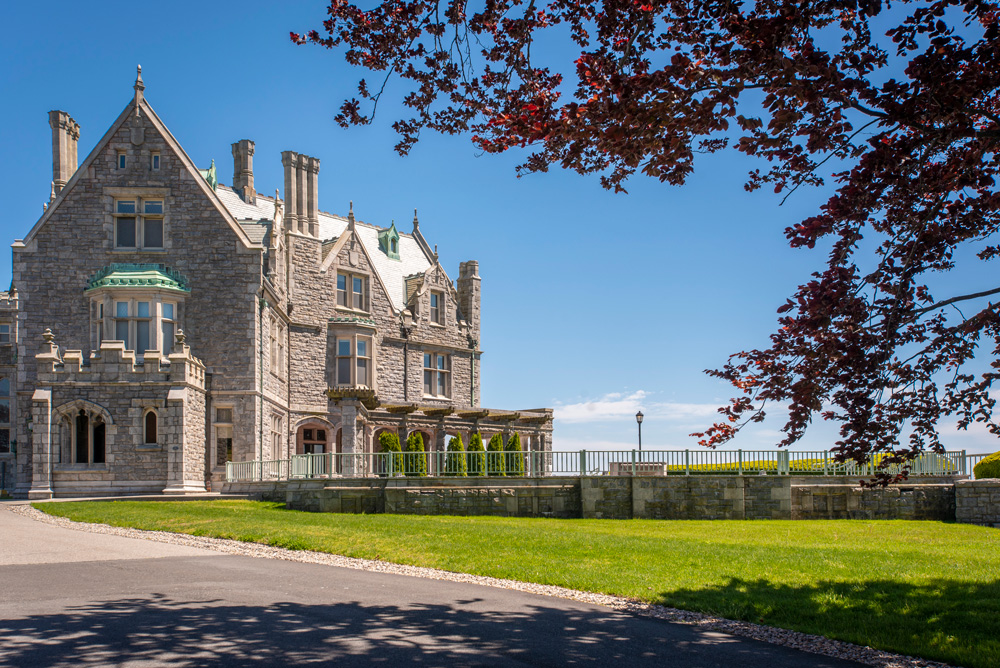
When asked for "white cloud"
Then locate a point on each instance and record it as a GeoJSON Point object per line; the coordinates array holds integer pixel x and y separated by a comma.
{"type": "Point", "coordinates": [616, 405]}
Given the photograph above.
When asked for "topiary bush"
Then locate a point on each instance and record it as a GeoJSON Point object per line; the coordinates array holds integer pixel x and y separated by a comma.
{"type": "Point", "coordinates": [515, 457]}
{"type": "Point", "coordinates": [389, 442]}
{"type": "Point", "coordinates": [454, 461]}
{"type": "Point", "coordinates": [477, 455]}
{"type": "Point", "coordinates": [989, 467]}
{"type": "Point", "coordinates": [495, 456]}
{"type": "Point", "coordinates": [415, 457]}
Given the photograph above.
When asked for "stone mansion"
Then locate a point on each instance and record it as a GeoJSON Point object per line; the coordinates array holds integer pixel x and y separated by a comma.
{"type": "Point", "coordinates": [160, 324]}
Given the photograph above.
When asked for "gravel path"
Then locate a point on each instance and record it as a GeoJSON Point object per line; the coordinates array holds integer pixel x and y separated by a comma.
{"type": "Point", "coordinates": [794, 639]}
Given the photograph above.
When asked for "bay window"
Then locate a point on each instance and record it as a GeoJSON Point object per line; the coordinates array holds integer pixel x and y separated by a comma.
{"type": "Point", "coordinates": [354, 361]}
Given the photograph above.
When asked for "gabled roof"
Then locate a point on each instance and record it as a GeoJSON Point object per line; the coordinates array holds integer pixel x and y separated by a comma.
{"type": "Point", "coordinates": [412, 257]}
{"type": "Point", "coordinates": [145, 111]}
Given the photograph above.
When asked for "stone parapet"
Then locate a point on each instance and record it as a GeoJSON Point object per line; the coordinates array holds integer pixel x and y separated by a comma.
{"type": "Point", "coordinates": [978, 502]}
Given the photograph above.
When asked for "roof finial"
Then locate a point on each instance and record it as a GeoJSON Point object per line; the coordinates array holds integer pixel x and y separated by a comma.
{"type": "Point", "coordinates": [139, 86]}
{"type": "Point", "coordinates": [350, 217]}
{"type": "Point", "coordinates": [435, 252]}
{"type": "Point", "coordinates": [416, 222]}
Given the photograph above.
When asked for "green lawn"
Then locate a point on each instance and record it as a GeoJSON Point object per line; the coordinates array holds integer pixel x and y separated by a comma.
{"type": "Point", "coordinates": [923, 588]}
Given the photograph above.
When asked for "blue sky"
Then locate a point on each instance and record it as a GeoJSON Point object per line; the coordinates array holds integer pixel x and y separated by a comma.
{"type": "Point", "coordinates": [595, 304]}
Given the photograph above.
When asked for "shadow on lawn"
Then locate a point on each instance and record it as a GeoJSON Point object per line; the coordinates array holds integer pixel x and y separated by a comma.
{"type": "Point", "coordinates": [958, 622]}
{"type": "Point", "coordinates": [159, 631]}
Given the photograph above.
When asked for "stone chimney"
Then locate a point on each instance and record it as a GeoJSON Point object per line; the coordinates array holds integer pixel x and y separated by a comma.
{"type": "Point", "coordinates": [469, 287]}
{"type": "Point", "coordinates": [243, 171]}
{"type": "Point", "coordinates": [65, 135]}
{"type": "Point", "coordinates": [301, 193]}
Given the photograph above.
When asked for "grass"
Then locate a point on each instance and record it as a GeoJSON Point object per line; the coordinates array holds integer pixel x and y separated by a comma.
{"type": "Point", "coordinates": [928, 589]}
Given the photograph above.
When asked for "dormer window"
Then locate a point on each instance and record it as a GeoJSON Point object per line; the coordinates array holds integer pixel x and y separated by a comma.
{"type": "Point", "coordinates": [388, 242]}
{"type": "Point", "coordinates": [437, 307]}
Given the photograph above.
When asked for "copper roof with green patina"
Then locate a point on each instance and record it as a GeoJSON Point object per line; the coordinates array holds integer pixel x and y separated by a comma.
{"type": "Point", "coordinates": [127, 275]}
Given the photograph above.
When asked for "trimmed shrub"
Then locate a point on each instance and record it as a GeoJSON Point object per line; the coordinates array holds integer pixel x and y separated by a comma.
{"type": "Point", "coordinates": [495, 456]}
{"type": "Point", "coordinates": [515, 457]}
{"type": "Point", "coordinates": [454, 461]}
{"type": "Point", "coordinates": [988, 467]}
{"type": "Point", "coordinates": [477, 455]}
{"type": "Point", "coordinates": [389, 442]}
{"type": "Point", "coordinates": [416, 457]}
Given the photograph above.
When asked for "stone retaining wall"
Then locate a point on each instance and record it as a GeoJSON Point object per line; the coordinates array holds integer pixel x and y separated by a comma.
{"type": "Point", "coordinates": [978, 502]}
{"type": "Point", "coordinates": [624, 497]}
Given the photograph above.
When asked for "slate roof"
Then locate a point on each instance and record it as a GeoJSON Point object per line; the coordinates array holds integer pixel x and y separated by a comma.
{"type": "Point", "coordinates": [255, 219]}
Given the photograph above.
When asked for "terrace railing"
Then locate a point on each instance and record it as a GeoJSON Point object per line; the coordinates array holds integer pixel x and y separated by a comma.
{"type": "Point", "coordinates": [584, 462]}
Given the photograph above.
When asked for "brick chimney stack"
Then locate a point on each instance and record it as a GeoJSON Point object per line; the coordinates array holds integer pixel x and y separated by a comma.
{"type": "Point", "coordinates": [65, 135]}
{"type": "Point", "coordinates": [243, 171]}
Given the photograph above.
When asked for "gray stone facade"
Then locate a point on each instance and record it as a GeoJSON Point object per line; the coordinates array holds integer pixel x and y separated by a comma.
{"type": "Point", "coordinates": [302, 330]}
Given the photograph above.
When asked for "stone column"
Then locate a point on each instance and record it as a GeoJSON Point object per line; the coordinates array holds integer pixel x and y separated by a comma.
{"type": "Point", "coordinates": [348, 436]}
{"type": "Point", "coordinates": [440, 445]}
{"type": "Point", "coordinates": [41, 445]}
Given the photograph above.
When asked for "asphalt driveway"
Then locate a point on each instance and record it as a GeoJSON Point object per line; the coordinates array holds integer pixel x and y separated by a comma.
{"type": "Point", "coordinates": [72, 598]}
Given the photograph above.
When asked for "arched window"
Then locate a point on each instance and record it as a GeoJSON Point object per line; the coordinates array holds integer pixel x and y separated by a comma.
{"type": "Point", "coordinates": [149, 428]}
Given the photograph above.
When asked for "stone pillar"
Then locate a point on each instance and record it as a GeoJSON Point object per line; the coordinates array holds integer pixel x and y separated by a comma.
{"type": "Point", "coordinates": [41, 445]}
{"type": "Point", "coordinates": [440, 445]}
{"type": "Point", "coordinates": [349, 440]}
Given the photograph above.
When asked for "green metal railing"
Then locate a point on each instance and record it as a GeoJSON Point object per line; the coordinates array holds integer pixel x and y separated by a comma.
{"type": "Point", "coordinates": [586, 462]}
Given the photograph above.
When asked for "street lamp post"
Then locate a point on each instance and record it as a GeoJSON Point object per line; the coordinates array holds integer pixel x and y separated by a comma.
{"type": "Point", "coordinates": [638, 421]}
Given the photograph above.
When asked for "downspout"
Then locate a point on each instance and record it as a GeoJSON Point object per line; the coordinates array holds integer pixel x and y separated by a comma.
{"type": "Point", "coordinates": [262, 303]}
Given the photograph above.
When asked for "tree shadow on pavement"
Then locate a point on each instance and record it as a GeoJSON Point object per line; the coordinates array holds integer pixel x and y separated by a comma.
{"type": "Point", "coordinates": [159, 631]}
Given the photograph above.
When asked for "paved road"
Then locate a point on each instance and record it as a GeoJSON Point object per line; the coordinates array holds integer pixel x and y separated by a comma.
{"type": "Point", "coordinates": [69, 598]}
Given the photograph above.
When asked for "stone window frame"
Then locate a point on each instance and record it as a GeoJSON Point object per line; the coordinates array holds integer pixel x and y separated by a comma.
{"type": "Point", "coordinates": [436, 314]}
{"type": "Point", "coordinates": [314, 423]}
{"type": "Point", "coordinates": [139, 194]}
{"type": "Point", "coordinates": [437, 367]}
{"type": "Point", "coordinates": [68, 414]}
{"type": "Point", "coordinates": [224, 426]}
{"type": "Point", "coordinates": [140, 217]}
{"type": "Point", "coordinates": [348, 294]}
{"type": "Point", "coordinates": [145, 428]}
{"type": "Point", "coordinates": [278, 331]}
{"type": "Point", "coordinates": [155, 161]}
{"type": "Point", "coordinates": [104, 316]}
{"type": "Point", "coordinates": [277, 449]}
{"type": "Point", "coordinates": [121, 159]}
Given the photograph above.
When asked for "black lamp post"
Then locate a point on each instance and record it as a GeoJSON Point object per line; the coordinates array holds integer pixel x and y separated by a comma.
{"type": "Point", "coordinates": [638, 420]}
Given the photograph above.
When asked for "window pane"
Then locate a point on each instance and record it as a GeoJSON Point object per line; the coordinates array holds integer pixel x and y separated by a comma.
{"type": "Point", "coordinates": [166, 337]}
{"type": "Point", "coordinates": [343, 371]}
{"type": "Point", "coordinates": [143, 309]}
{"type": "Point", "coordinates": [223, 414]}
{"type": "Point", "coordinates": [357, 285]}
{"type": "Point", "coordinates": [321, 434]}
{"type": "Point", "coordinates": [150, 427]}
{"type": "Point", "coordinates": [440, 361]}
{"type": "Point", "coordinates": [153, 233]}
{"type": "Point", "coordinates": [4, 386]}
{"type": "Point", "coordinates": [154, 206]}
{"type": "Point", "coordinates": [343, 347]}
{"type": "Point", "coordinates": [142, 336]}
{"type": "Point", "coordinates": [441, 391]}
{"type": "Point", "coordinates": [342, 297]}
{"type": "Point", "coordinates": [427, 381]}
{"type": "Point", "coordinates": [5, 411]}
{"type": "Point", "coordinates": [121, 161]}
{"type": "Point", "coordinates": [4, 440]}
{"type": "Point", "coordinates": [362, 372]}
{"type": "Point", "coordinates": [434, 300]}
{"type": "Point", "coordinates": [307, 434]}
{"type": "Point", "coordinates": [121, 331]}
{"type": "Point", "coordinates": [126, 206]}
{"type": "Point", "coordinates": [126, 233]}
{"type": "Point", "coordinates": [427, 361]}
{"type": "Point", "coordinates": [362, 348]}
{"type": "Point", "coordinates": [168, 311]}
{"type": "Point", "coordinates": [121, 309]}
{"type": "Point", "coordinates": [341, 282]}
{"type": "Point", "coordinates": [156, 161]}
